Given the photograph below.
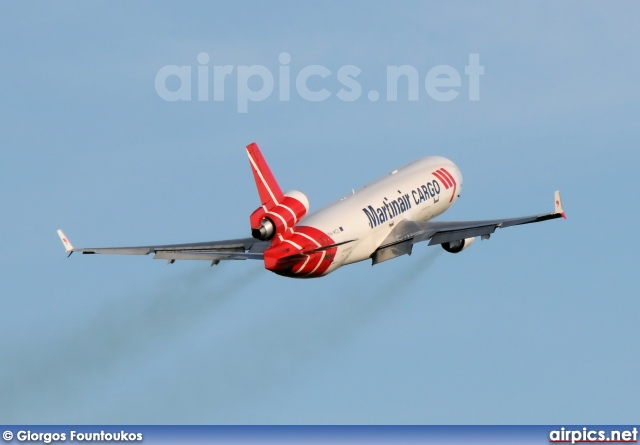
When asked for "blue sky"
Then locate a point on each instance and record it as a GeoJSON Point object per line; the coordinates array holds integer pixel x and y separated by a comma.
{"type": "Point", "coordinates": [537, 325]}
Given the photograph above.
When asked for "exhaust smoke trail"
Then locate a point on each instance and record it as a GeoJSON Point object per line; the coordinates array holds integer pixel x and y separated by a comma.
{"type": "Point", "coordinates": [360, 309]}
{"type": "Point", "coordinates": [128, 327]}
{"type": "Point", "coordinates": [253, 367]}
{"type": "Point", "coordinates": [227, 379]}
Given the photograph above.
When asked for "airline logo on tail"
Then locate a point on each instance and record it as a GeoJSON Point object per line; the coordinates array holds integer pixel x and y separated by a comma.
{"type": "Point", "coordinates": [298, 250]}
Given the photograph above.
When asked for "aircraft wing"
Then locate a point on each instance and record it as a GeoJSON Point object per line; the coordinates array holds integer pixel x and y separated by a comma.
{"type": "Point", "coordinates": [407, 233]}
{"type": "Point", "coordinates": [236, 249]}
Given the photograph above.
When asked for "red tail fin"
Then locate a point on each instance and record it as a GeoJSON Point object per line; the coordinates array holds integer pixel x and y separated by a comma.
{"type": "Point", "coordinates": [268, 187]}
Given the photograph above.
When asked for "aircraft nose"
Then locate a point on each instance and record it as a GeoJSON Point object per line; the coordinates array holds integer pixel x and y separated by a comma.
{"type": "Point", "coordinates": [460, 181]}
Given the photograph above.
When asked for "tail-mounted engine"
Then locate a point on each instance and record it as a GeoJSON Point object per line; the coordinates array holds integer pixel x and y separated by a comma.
{"type": "Point", "coordinates": [279, 211]}
{"type": "Point", "coordinates": [457, 246]}
{"type": "Point", "coordinates": [274, 219]}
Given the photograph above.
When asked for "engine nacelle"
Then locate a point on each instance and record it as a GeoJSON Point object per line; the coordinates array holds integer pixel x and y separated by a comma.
{"type": "Point", "coordinates": [265, 224]}
{"type": "Point", "coordinates": [266, 230]}
{"type": "Point", "coordinates": [457, 246]}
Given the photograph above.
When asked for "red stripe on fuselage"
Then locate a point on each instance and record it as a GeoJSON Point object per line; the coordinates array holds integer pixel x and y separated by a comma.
{"type": "Point", "coordinates": [450, 176]}
{"type": "Point", "coordinates": [286, 259]}
{"type": "Point", "coordinates": [442, 179]}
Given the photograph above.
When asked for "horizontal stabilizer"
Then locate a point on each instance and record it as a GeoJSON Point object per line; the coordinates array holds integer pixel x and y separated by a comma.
{"type": "Point", "coordinates": [330, 246]}
{"type": "Point", "coordinates": [304, 253]}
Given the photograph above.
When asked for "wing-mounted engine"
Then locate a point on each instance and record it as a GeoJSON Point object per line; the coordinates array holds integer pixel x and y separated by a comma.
{"type": "Point", "coordinates": [458, 245]}
{"type": "Point", "coordinates": [272, 219]}
{"type": "Point", "coordinates": [279, 211]}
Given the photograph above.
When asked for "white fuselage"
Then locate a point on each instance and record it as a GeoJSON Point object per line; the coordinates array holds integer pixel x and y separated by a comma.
{"type": "Point", "coordinates": [369, 214]}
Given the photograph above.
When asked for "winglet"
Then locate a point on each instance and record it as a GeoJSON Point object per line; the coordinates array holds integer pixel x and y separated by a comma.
{"type": "Point", "coordinates": [558, 209]}
{"type": "Point", "coordinates": [268, 187]}
{"type": "Point", "coordinates": [68, 247]}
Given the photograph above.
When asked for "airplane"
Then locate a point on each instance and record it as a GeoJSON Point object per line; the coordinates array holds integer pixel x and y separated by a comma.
{"type": "Point", "coordinates": [380, 221]}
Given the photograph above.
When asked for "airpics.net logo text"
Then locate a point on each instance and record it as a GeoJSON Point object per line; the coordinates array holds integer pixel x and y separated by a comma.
{"type": "Point", "coordinates": [256, 83]}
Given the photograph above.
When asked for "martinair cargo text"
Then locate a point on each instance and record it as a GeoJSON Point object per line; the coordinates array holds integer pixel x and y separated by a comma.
{"type": "Point", "coordinates": [380, 221]}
